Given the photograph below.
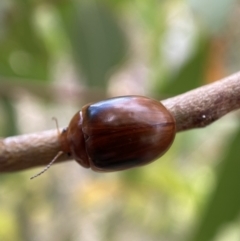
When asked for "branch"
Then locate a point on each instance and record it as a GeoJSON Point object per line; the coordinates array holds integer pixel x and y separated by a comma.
{"type": "Point", "coordinates": [194, 109]}
{"type": "Point", "coordinates": [204, 105]}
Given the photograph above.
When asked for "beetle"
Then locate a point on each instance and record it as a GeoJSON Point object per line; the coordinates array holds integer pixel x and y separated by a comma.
{"type": "Point", "coordinates": [118, 133]}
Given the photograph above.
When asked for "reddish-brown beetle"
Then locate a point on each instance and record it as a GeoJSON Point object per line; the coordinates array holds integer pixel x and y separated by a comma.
{"type": "Point", "coordinates": [118, 133]}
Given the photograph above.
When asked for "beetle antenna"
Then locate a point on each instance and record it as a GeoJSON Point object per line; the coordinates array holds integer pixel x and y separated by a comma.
{"type": "Point", "coordinates": [56, 121]}
{"type": "Point", "coordinates": [49, 165]}
{"type": "Point", "coordinates": [55, 158]}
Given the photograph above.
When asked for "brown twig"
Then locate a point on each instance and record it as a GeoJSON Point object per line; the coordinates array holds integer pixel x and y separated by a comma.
{"type": "Point", "coordinates": [194, 109]}
{"type": "Point", "coordinates": [204, 105]}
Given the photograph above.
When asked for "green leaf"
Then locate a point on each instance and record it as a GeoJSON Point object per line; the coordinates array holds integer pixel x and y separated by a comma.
{"type": "Point", "coordinates": [224, 204]}
{"type": "Point", "coordinates": [23, 53]}
{"type": "Point", "coordinates": [97, 40]}
{"type": "Point", "coordinates": [192, 73]}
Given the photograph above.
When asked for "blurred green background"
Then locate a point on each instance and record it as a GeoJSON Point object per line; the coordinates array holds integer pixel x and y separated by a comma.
{"type": "Point", "coordinates": [57, 55]}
